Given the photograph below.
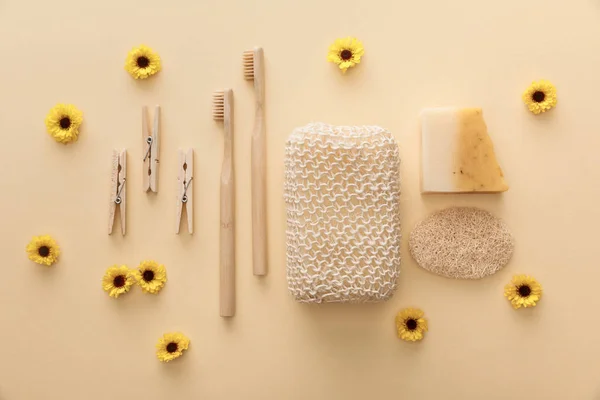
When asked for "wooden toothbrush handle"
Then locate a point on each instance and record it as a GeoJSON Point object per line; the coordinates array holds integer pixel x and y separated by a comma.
{"type": "Point", "coordinates": [227, 230]}
{"type": "Point", "coordinates": [227, 245]}
{"type": "Point", "coordinates": [259, 194]}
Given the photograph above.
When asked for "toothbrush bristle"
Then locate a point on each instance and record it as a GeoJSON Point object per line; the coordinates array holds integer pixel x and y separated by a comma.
{"type": "Point", "coordinates": [248, 61]}
{"type": "Point", "coordinates": [218, 109]}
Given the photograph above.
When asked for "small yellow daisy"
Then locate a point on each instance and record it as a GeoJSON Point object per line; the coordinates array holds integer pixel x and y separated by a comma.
{"type": "Point", "coordinates": [43, 250]}
{"type": "Point", "coordinates": [142, 62]}
{"type": "Point", "coordinates": [63, 122]}
{"type": "Point", "coordinates": [523, 291]}
{"type": "Point", "coordinates": [171, 346]}
{"type": "Point", "coordinates": [151, 276]}
{"type": "Point", "coordinates": [117, 280]}
{"type": "Point", "coordinates": [411, 324]}
{"type": "Point", "coordinates": [540, 97]}
{"type": "Point", "coordinates": [346, 53]}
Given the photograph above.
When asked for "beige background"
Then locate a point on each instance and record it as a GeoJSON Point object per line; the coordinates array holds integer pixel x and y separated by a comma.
{"type": "Point", "coordinates": [64, 338]}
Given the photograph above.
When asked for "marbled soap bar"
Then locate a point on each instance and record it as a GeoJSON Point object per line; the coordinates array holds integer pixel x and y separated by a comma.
{"type": "Point", "coordinates": [457, 154]}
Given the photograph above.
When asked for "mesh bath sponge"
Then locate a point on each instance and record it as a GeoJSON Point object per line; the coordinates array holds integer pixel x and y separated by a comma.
{"type": "Point", "coordinates": [342, 189]}
{"type": "Point", "coordinates": [462, 243]}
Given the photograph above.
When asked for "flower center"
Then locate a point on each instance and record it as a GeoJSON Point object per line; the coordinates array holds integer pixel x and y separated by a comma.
{"type": "Point", "coordinates": [411, 324]}
{"type": "Point", "coordinates": [538, 96]}
{"type": "Point", "coordinates": [44, 251]}
{"type": "Point", "coordinates": [65, 122]}
{"type": "Point", "coordinates": [119, 281]}
{"type": "Point", "coordinates": [524, 291]}
{"type": "Point", "coordinates": [143, 62]}
{"type": "Point", "coordinates": [148, 275]}
{"type": "Point", "coordinates": [172, 347]}
{"type": "Point", "coordinates": [346, 55]}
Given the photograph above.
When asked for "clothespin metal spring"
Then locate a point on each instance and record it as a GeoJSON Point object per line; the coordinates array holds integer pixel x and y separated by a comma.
{"type": "Point", "coordinates": [184, 198]}
{"type": "Point", "coordinates": [118, 198]}
{"type": "Point", "coordinates": [149, 141]}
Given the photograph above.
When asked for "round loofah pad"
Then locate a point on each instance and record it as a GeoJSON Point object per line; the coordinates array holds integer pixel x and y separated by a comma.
{"type": "Point", "coordinates": [461, 243]}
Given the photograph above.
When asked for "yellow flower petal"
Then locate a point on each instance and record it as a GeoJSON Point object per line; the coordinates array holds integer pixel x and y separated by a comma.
{"type": "Point", "coordinates": [171, 346]}
{"type": "Point", "coordinates": [151, 276]}
{"type": "Point", "coordinates": [540, 96]}
{"type": "Point", "coordinates": [117, 280]}
{"type": "Point", "coordinates": [349, 44]}
{"type": "Point", "coordinates": [411, 324]}
{"type": "Point", "coordinates": [523, 291]}
{"type": "Point", "coordinates": [43, 250]}
{"type": "Point", "coordinates": [142, 62]}
{"type": "Point", "coordinates": [63, 122]}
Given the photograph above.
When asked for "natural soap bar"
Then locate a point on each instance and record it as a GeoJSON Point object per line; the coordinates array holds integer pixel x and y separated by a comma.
{"type": "Point", "coordinates": [457, 154]}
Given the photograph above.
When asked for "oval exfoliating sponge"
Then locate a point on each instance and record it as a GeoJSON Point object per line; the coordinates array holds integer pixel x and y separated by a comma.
{"type": "Point", "coordinates": [461, 243]}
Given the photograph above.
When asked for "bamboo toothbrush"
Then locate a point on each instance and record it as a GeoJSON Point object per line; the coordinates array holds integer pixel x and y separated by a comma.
{"type": "Point", "coordinates": [223, 111]}
{"type": "Point", "coordinates": [254, 69]}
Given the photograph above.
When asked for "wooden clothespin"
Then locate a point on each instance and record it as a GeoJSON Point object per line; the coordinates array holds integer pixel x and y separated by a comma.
{"type": "Point", "coordinates": [184, 189]}
{"type": "Point", "coordinates": [118, 191]}
{"type": "Point", "coordinates": [151, 148]}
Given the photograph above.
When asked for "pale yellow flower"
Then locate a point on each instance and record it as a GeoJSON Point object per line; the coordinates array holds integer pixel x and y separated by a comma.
{"type": "Point", "coordinates": [117, 280]}
{"type": "Point", "coordinates": [411, 324]}
{"type": "Point", "coordinates": [151, 276]}
{"type": "Point", "coordinates": [142, 62]}
{"type": "Point", "coordinates": [540, 97]}
{"type": "Point", "coordinates": [43, 250]}
{"type": "Point", "coordinates": [346, 53]}
{"type": "Point", "coordinates": [171, 346]}
{"type": "Point", "coordinates": [63, 122]}
{"type": "Point", "coordinates": [523, 291]}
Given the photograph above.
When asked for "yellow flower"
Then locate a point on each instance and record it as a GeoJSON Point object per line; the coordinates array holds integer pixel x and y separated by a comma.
{"type": "Point", "coordinates": [523, 291]}
{"type": "Point", "coordinates": [411, 324]}
{"type": "Point", "coordinates": [117, 280]}
{"type": "Point", "coordinates": [151, 276]}
{"type": "Point", "coordinates": [171, 346]}
{"type": "Point", "coordinates": [346, 53]}
{"type": "Point", "coordinates": [142, 62]}
{"type": "Point", "coordinates": [63, 122]}
{"type": "Point", "coordinates": [540, 96]}
{"type": "Point", "coordinates": [43, 250]}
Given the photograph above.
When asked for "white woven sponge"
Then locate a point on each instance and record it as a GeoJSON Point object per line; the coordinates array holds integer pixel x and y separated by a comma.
{"type": "Point", "coordinates": [342, 189]}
